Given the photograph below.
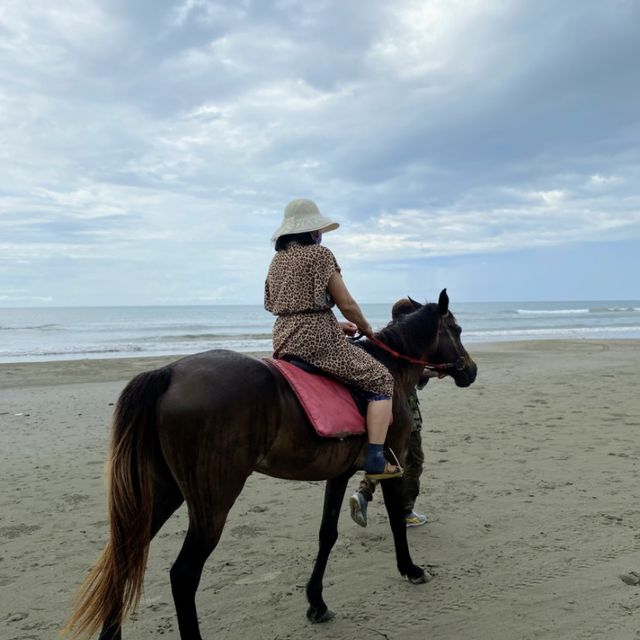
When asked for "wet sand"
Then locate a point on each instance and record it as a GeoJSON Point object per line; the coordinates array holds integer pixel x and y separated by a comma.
{"type": "Point", "coordinates": [531, 487]}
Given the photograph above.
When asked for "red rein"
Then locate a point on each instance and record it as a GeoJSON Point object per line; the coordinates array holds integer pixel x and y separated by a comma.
{"type": "Point", "coordinates": [395, 354]}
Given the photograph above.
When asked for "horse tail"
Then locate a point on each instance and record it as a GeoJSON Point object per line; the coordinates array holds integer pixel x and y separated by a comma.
{"type": "Point", "coordinates": [114, 585]}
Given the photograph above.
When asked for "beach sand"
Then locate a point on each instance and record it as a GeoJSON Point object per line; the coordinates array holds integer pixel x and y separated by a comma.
{"type": "Point", "coordinates": [531, 486]}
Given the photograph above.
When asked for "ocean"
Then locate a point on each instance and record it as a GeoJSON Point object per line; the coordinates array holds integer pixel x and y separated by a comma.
{"type": "Point", "coordinates": [45, 333]}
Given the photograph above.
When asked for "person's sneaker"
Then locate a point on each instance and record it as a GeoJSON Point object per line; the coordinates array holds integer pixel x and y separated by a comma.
{"type": "Point", "coordinates": [414, 519]}
{"type": "Point", "coordinates": [358, 507]}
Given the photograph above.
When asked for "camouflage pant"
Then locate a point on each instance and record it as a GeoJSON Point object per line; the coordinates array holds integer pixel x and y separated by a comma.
{"type": "Point", "coordinates": [411, 478]}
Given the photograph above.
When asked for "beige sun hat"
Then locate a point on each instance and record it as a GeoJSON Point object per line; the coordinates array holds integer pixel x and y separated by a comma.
{"type": "Point", "coordinates": [303, 215]}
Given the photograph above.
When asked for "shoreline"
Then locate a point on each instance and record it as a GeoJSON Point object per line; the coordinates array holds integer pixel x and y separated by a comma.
{"type": "Point", "coordinates": [59, 372]}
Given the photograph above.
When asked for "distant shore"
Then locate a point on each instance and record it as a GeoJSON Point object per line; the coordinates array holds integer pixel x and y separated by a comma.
{"type": "Point", "coordinates": [45, 334]}
{"type": "Point", "coordinates": [530, 486]}
{"type": "Point", "coordinates": [56, 372]}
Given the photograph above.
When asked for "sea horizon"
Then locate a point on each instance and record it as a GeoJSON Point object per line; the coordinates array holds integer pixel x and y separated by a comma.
{"type": "Point", "coordinates": [44, 333]}
{"type": "Point", "coordinates": [259, 304]}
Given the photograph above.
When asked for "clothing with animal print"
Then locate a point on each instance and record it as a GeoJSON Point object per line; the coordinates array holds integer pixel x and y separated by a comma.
{"type": "Point", "coordinates": [306, 328]}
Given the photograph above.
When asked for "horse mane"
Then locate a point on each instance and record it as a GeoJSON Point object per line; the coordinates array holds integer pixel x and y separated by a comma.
{"type": "Point", "coordinates": [409, 334]}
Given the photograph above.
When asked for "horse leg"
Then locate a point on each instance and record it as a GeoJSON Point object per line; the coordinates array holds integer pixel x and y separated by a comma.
{"type": "Point", "coordinates": [111, 631]}
{"type": "Point", "coordinates": [185, 577]}
{"type": "Point", "coordinates": [392, 492]}
{"type": "Point", "coordinates": [333, 497]}
{"type": "Point", "coordinates": [166, 499]}
{"type": "Point", "coordinates": [206, 522]}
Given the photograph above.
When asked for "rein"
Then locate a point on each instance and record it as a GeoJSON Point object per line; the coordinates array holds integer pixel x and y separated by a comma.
{"type": "Point", "coordinates": [458, 364]}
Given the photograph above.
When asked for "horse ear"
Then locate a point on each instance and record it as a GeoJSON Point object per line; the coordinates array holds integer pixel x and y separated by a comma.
{"type": "Point", "coordinates": [443, 302]}
{"type": "Point", "coordinates": [416, 305]}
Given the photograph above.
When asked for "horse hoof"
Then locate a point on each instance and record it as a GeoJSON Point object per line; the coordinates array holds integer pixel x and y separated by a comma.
{"type": "Point", "coordinates": [317, 617]}
{"type": "Point", "coordinates": [422, 578]}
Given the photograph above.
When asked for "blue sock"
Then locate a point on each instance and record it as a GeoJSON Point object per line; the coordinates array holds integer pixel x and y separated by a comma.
{"type": "Point", "coordinates": [374, 459]}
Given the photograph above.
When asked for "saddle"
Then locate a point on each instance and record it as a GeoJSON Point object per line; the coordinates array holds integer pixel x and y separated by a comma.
{"type": "Point", "coordinates": [333, 408]}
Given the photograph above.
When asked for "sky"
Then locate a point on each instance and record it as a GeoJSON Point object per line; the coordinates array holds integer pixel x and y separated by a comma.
{"type": "Point", "coordinates": [148, 148]}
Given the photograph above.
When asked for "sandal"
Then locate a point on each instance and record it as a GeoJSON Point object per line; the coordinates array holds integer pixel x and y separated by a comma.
{"type": "Point", "coordinates": [390, 470]}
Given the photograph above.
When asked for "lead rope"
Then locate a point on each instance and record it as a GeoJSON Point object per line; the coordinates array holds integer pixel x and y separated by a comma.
{"type": "Point", "coordinates": [458, 364]}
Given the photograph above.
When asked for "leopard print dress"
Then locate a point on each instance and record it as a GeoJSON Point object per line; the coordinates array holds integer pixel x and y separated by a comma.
{"type": "Point", "coordinates": [306, 328]}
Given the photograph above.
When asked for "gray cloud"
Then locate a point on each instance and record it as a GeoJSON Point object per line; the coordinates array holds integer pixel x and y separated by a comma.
{"type": "Point", "coordinates": [440, 128]}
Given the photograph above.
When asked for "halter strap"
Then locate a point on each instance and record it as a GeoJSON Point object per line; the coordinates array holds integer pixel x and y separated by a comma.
{"type": "Point", "coordinates": [458, 364]}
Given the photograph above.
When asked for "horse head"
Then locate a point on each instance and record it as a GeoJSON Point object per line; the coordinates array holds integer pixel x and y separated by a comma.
{"type": "Point", "coordinates": [449, 347]}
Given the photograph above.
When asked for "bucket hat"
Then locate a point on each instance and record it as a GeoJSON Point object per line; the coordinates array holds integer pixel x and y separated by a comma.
{"type": "Point", "coordinates": [303, 215]}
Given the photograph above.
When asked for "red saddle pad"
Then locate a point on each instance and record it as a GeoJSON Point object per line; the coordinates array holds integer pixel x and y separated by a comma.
{"type": "Point", "coordinates": [328, 403]}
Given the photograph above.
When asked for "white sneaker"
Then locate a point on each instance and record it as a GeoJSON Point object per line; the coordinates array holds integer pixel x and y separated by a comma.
{"type": "Point", "coordinates": [414, 519]}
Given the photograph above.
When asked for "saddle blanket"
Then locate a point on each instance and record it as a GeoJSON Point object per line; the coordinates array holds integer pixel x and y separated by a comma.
{"type": "Point", "coordinates": [327, 403]}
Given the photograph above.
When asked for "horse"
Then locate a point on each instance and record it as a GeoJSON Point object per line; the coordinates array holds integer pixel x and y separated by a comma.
{"type": "Point", "coordinates": [194, 430]}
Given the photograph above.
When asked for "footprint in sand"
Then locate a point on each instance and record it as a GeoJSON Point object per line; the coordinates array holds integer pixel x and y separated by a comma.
{"type": "Point", "coordinates": [75, 498]}
{"type": "Point", "coordinates": [246, 531]}
{"type": "Point", "coordinates": [165, 626]}
{"type": "Point", "coordinates": [16, 617]}
{"type": "Point", "coordinates": [632, 578]}
{"type": "Point", "coordinates": [16, 531]}
{"type": "Point", "coordinates": [265, 577]}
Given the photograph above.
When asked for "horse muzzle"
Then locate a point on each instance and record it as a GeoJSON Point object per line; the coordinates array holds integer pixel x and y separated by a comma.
{"type": "Point", "coordinates": [464, 375]}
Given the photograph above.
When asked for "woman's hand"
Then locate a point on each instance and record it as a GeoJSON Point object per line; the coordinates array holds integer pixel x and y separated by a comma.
{"type": "Point", "coordinates": [366, 330]}
{"type": "Point", "coordinates": [349, 328]}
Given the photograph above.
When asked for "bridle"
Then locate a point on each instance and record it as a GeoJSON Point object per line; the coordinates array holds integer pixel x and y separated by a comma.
{"type": "Point", "coordinates": [458, 365]}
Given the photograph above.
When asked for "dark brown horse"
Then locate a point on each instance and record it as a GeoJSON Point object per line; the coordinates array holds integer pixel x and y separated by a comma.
{"type": "Point", "coordinates": [193, 432]}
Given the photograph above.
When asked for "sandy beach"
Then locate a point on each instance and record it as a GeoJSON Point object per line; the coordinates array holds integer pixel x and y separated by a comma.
{"type": "Point", "coordinates": [531, 487]}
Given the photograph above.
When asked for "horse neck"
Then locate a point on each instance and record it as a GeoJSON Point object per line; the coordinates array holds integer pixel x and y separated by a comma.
{"type": "Point", "coordinates": [414, 336]}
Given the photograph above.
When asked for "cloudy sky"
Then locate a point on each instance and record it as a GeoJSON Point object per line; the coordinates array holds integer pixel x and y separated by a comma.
{"type": "Point", "coordinates": [148, 147]}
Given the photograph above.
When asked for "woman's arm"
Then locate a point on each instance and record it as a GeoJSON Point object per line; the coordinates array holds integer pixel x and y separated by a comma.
{"type": "Point", "coordinates": [347, 305]}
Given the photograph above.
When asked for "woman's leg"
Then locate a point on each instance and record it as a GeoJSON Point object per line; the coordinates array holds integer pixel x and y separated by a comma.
{"type": "Point", "coordinates": [378, 420]}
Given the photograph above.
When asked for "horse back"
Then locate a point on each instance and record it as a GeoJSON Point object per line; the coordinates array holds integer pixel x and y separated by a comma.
{"type": "Point", "coordinates": [226, 403]}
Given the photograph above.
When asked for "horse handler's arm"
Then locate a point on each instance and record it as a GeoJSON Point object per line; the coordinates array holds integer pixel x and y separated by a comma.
{"type": "Point", "coordinates": [426, 375]}
{"type": "Point", "coordinates": [347, 305]}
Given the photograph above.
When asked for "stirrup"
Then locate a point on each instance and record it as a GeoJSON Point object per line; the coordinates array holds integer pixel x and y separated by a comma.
{"type": "Point", "coordinates": [385, 475]}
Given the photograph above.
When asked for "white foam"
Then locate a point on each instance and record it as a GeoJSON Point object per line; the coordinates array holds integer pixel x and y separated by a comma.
{"type": "Point", "coordinates": [545, 312]}
{"type": "Point", "coordinates": [551, 331]}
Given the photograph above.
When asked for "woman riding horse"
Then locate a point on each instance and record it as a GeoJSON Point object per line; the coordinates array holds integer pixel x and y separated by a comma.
{"type": "Point", "coordinates": [303, 283]}
{"type": "Point", "coordinates": [193, 432]}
